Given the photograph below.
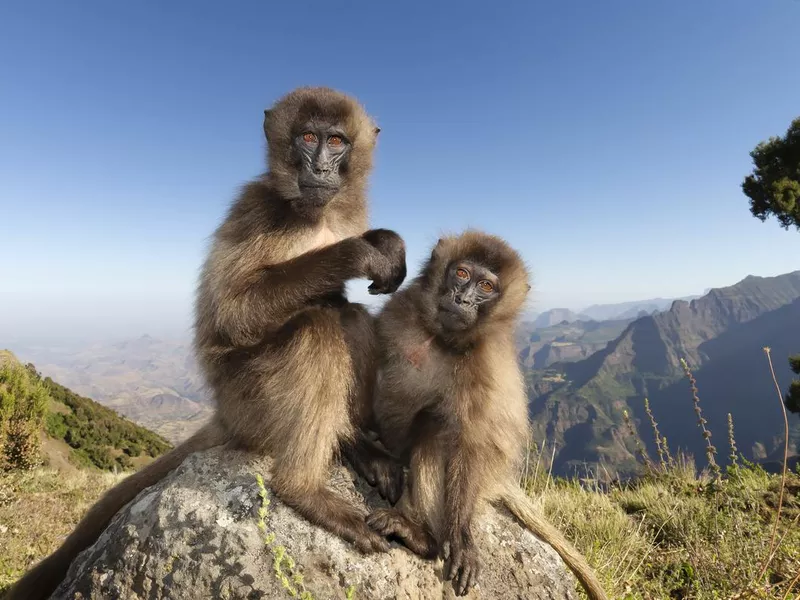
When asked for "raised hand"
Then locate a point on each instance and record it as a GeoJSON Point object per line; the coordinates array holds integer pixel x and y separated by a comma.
{"type": "Point", "coordinates": [388, 274]}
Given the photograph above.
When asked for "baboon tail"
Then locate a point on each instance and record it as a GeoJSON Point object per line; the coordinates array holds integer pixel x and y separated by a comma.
{"type": "Point", "coordinates": [520, 505]}
{"type": "Point", "coordinates": [40, 582]}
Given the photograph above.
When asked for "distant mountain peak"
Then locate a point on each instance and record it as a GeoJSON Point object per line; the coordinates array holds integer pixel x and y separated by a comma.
{"type": "Point", "coordinates": [556, 316]}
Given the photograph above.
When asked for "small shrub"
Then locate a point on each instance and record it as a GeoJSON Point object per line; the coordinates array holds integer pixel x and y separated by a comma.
{"type": "Point", "coordinates": [23, 400]}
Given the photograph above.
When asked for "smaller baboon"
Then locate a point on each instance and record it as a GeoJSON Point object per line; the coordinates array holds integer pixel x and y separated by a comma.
{"type": "Point", "coordinates": [450, 402]}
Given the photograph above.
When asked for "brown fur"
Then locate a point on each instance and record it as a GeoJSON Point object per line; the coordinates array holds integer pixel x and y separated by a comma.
{"type": "Point", "coordinates": [453, 405]}
{"type": "Point", "coordinates": [288, 359]}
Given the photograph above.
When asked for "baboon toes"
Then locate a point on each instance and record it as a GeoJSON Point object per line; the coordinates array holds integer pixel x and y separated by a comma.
{"type": "Point", "coordinates": [462, 567]}
{"type": "Point", "coordinates": [370, 542]}
{"type": "Point", "coordinates": [385, 521]}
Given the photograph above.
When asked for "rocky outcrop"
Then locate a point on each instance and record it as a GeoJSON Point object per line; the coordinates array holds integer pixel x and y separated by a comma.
{"type": "Point", "coordinates": [212, 529]}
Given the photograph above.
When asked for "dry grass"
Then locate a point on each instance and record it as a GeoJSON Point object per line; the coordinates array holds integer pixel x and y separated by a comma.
{"type": "Point", "coordinates": [678, 535]}
{"type": "Point", "coordinates": [38, 508]}
{"type": "Point", "coordinates": [679, 532]}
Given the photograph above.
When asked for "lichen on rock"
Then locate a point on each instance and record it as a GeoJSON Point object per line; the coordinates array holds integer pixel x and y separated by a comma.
{"type": "Point", "coordinates": [213, 529]}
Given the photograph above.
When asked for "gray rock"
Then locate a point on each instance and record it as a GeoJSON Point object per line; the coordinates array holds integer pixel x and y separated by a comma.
{"type": "Point", "coordinates": [196, 535]}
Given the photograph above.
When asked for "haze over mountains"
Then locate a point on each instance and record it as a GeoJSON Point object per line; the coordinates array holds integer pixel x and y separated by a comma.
{"type": "Point", "coordinates": [629, 310]}
{"type": "Point", "coordinates": [583, 372]}
{"type": "Point", "coordinates": [154, 382]}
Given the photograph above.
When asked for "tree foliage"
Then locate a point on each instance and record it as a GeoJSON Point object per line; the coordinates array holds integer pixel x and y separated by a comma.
{"type": "Point", "coordinates": [793, 395]}
{"type": "Point", "coordinates": [774, 185]}
{"type": "Point", "coordinates": [23, 401]}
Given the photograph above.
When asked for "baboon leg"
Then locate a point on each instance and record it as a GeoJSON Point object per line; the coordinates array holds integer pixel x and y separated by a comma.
{"type": "Point", "coordinates": [425, 499]}
{"type": "Point", "coordinates": [315, 420]}
{"type": "Point", "coordinates": [414, 535]}
{"type": "Point", "coordinates": [300, 475]}
{"type": "Point", "coordinates": [325, 508]}
{"type": "Point", "coordinates": [370, 460]}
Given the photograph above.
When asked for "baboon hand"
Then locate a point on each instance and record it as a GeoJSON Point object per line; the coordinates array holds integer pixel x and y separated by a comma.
{"type": "Point", "coordinates": [383, 473]}
{"type": "Point", "coordinates": [388, 272]}
{"type": "Point", "coordinates": [463, 564]}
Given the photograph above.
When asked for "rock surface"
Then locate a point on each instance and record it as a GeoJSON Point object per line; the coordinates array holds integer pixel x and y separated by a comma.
{"type": "Point", "coordinates": [196, 535]}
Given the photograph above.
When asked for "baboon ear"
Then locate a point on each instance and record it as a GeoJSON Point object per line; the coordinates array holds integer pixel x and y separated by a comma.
{"type": "Point", "coordinates": [267, 116]}
{"type": "Point", "coordinates": [528, 285]}
{"type": "Point", "coordinates": [436, 249]}
{"type": "Point", "coordinates": [377, 131]}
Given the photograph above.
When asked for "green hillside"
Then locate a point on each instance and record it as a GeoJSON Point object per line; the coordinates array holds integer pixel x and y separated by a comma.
{"type": "Point", "coordinates": [45, 422]}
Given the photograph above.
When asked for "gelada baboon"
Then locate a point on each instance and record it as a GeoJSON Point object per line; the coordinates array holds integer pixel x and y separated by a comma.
{"type": "Point", "coordinates": [288, 358]}
{"type": "Point", "coordinates": [450, 402]}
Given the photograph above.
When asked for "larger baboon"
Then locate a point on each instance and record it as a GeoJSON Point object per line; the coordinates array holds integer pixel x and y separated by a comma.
{"type": "Point", "coordinates": [288, 358]}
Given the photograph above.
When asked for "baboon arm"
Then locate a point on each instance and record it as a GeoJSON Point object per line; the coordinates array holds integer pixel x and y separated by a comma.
{"type": "Point", "coordinates": [462, 484]}
{"type": "Point", "coordinates": [465, 475]}
{"type": "Point", "coordinates": [268, 295]}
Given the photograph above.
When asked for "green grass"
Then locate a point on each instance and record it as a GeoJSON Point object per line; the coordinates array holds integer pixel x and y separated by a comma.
{"type": "Point", "coordinates": [678, 531]}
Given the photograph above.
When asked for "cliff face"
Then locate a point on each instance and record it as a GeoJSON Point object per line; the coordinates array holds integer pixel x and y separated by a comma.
{"type": "Point", "coordinates": [721, 337]}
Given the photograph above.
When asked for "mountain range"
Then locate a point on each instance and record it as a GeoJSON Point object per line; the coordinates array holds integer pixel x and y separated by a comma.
{"type": "Point", "coordinates": [581, 374]}
{"type": "Point", "coordinates": [75, 432]}
{"type": "Point", "coordinates": [628, 310]}
{"type": "Point", "coordinates": [554, 316]}
{"type": "Point", "coordinates": [721, 336]}
{"type": "Point", "coordinates": [539, 347]}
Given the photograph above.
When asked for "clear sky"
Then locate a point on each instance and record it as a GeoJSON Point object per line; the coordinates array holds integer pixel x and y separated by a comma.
{"type": "Point", "coordinates": [606, 140]}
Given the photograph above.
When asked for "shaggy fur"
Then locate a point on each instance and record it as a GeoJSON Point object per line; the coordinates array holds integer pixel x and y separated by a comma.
{"type": "Point", "coordinates": [287, 357]}
{"type": "Point", "coordinates": [453, 406]}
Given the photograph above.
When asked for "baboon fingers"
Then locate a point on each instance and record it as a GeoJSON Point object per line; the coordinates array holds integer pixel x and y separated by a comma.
{"type": "Point", "coordinates": [394, 486]}
{"type": "Point", "coordinates": [380, 469]}
{"type": "Point", "coordinates": [467, 579]}
{"type": "Point", "coordinates": [389, 479]}
{"type": "Point", "coordinates": [462, 566]}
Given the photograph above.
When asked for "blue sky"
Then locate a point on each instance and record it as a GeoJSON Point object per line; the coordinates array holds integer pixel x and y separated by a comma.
{"type": "Point", "coordinates": [606, 140]}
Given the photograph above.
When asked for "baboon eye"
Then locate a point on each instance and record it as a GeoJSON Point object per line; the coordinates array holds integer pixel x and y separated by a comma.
{"type": "Point", "coordinates": [486, 286]}
{"type": "Point", "coordinates": [309, 137]}
{"type": "Point", "coordinates": [462, 274]}
{"type": "Point", "coordinates": [335, 140]}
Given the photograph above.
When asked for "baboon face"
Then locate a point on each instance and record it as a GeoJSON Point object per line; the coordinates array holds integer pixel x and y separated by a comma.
{"type": "Point", "coordinates": [321, 152]}
{"type": "Point", "coordinates": [473, 284]}
{"type": "Point", "coordinates": [320, 147]}
{"type": "Point", "coordinates": [468, 290]}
